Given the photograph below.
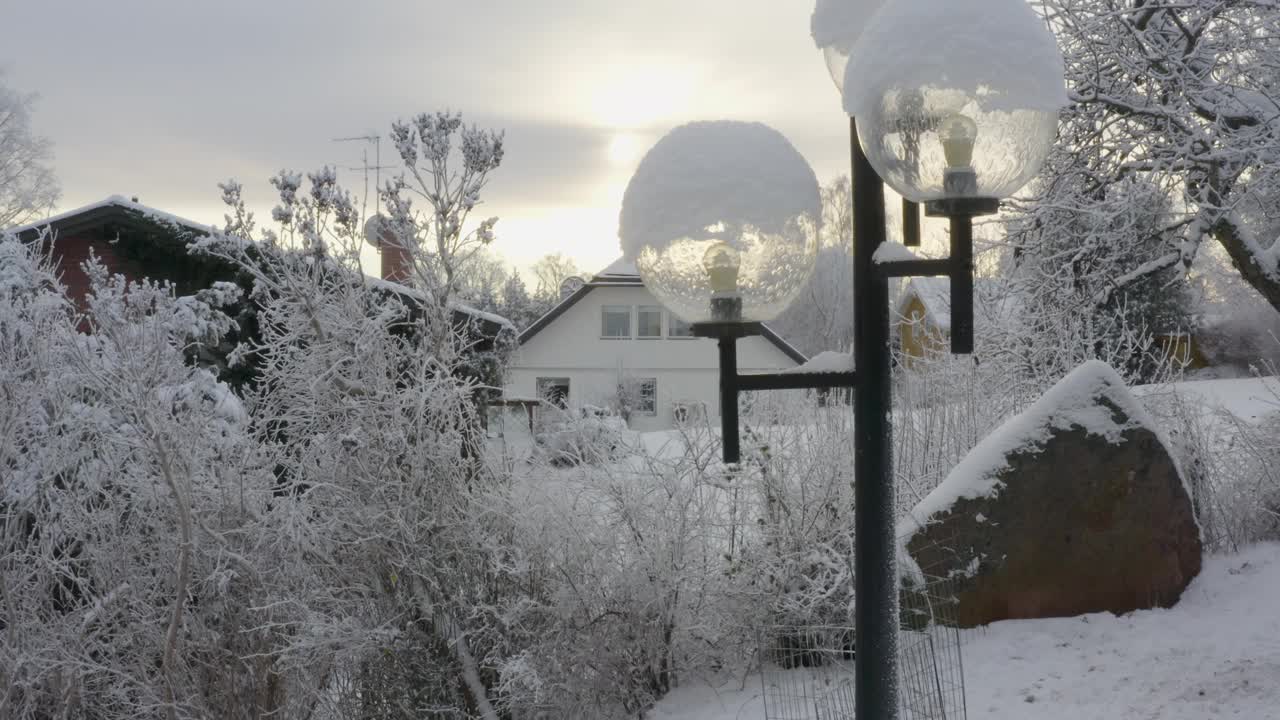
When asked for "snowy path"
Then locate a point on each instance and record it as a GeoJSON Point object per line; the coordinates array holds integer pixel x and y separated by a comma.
{"type": "Point", "coordinates": [1215, 655]}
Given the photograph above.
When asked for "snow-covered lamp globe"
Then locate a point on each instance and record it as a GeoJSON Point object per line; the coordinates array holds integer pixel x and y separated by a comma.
{"type": "Point", "coordinates": [721, 220]}
{"type": "Point", "coordinates": [836, 26]}
{"type": "Point", "coordinates": [957, 102]}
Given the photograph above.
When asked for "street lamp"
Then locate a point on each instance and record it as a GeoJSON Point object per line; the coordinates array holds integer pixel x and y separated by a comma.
{"type": "Point", "coordinates": [957, 105]}
{"type": "Point", "coordinates": [963, 115]}
{"type": "Point", "coordinates": [968, 105]}
{"type": "Point", "coordinates": [721, 220]}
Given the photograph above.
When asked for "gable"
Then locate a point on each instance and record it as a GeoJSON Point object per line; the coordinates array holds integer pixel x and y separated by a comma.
{"type": "Point", "coordinates": [574, 326]}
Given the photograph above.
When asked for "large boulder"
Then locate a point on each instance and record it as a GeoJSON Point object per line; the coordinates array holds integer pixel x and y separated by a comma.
{"type": "Point", "coordinates": [1074, 506]}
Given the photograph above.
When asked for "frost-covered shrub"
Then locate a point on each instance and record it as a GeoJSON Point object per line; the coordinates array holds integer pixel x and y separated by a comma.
{"type": "Point", "coordinates": [1231, 465]}
{"type": "Point", "coordinates": [128, 488]}
{"type": "Point", "coordinates": [590, 435]}
{"type": "Point", "coordinates": [639, 578]}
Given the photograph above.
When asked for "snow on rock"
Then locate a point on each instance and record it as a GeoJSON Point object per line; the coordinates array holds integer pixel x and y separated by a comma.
{"type": "Point", "coordinates": [1072, 402]}
{"type": "Point", "coordinates": [837, 24]}
{"type": "Point", "coordinates": [827, 361]}
{"type": "Point", "coordinates": [1075, 506]}
{"type": "Point", "coordinates": [707, 173]}
{"type": "Point", "coordinates": [939, 44]}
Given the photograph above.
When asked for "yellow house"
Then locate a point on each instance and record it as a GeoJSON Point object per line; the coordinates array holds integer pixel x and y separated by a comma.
{"type": "Point", "coordinates": [923, 314]}
{"type": "Point", "coordinates": [923, 318]}
{"type": "Point", "coordinates": [1184, 348]}
{"type": "Point", "coordinates": [923, 321]}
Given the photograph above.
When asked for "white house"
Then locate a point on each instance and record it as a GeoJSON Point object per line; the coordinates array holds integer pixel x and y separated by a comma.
{"type": "Point", "coordinates": [611, 343]}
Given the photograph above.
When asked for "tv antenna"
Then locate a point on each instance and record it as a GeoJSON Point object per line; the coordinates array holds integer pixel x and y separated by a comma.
{"type": "Point", "coordinates": [374, 139]}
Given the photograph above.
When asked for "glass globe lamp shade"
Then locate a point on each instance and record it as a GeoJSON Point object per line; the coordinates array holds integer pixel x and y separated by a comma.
{"type": "Point", "coordinates": [968, 105]}
{"type": "Point", "coordinates": [835, 26]}
{"type": "Point", "coordinates": [837, 61]}
{"type": "Point", "coordinates": [721, 220]}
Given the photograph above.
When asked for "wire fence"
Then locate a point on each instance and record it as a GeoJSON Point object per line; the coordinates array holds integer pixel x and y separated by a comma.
{"type": "Point", "coordinates": [807, 671]}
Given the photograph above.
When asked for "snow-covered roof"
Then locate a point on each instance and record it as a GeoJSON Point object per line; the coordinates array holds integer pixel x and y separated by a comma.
{"type": "Point", "coordinates": [620, 268]}
{"type": "Point", "coordinates": [421, 296]}
{"type": "Point", "coordinates": [180, 223]}
{"type": "Point", "coordinates": [115, 201]}
{"type": "Point", "coordinates": [991, 304]}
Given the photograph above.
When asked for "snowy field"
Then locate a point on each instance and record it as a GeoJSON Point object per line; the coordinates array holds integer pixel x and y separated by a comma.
{"type": "Point", "coordinates": [1215, 655]}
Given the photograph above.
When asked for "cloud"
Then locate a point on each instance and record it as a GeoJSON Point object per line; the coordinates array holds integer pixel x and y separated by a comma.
{"type": "Point", "coordinates": [164, 100]}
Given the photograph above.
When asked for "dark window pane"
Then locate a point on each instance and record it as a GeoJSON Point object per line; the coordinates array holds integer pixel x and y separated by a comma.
{"type": "Point", "coordinates": [649, 322]}
{"type": "Point", "coordinates": [616, 321]}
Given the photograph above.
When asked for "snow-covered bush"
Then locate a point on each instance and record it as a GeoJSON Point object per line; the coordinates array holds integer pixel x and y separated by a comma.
{"type": "Point", "coordinates": [634, 580]}
{"type": "Point", "coordinates": [128, 504]}
{"type": "Point", "coordinates": [1231, 463]}
{"type": "Point", "coordinates": [798, 471]}
{"type": "Point", "coordinates": [321, 546]}
{"type": "Point", "coordinates": [589, 434]}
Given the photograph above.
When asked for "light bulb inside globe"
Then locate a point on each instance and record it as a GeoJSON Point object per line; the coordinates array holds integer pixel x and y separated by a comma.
{"type": "Point", "coordinates": [722, 262]}
{"type": "Point", "coordinates": [958, 133]}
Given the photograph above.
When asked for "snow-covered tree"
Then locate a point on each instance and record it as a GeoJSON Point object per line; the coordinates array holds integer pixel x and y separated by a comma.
{"type": "Point", "coordinates": [446, 165]}
{"type": "Point", "coordinates": [1184, 95]}
{"type": "Point", "coordinates": [1065, 257]}
{"type": "Point", "coordinates": [28, 188]}
{"type": "Point", "coordinates": [372, 434]}
{"type": "Point", "coordinates": [549, 272]}
{"type": "Point", "coordinates": [517, 306]}
{"type": "Point", "coordinates": [481, 279]}
{"type": "Point", "coordinates": [822, 317]}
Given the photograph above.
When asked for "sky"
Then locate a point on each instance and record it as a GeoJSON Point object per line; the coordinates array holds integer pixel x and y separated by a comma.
{"type": "Point", "coordinates": [163, 100]}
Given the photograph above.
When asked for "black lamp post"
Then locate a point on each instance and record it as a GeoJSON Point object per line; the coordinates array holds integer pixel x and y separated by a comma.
{"type": "Point", "coordinates": [951, 118]}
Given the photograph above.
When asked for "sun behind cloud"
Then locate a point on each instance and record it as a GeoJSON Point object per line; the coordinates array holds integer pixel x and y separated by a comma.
{"type": "Point", "coordinates": [636, 95]}
{"type": "Point", "coordinates": [624, 149]}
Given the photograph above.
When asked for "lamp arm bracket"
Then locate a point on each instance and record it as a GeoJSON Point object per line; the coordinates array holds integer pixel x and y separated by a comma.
{"type": "Point", "coordinates": [914, 268]}
{"type": "Point", "coordinates": [795, 381]}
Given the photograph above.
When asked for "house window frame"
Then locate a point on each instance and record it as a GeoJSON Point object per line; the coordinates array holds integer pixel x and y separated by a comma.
{"type": "Point", "coordinates": [540, 383]}
{"type": "Point", "coordinates": [604, 314]}
{"type": "Point", "coordinates": [640, 397]}
{"type": "Point", "coordinates": [672, 323]}
{"type": "Point", "coordinates": [649, 309]}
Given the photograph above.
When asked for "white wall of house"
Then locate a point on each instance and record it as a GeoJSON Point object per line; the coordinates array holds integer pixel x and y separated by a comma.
{"type": "Point", "coordinates": [686, 370]}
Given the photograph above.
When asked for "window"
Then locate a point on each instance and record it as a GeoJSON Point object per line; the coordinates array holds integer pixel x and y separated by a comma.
{"type": "Point", "coordinates": [678, 328]}
{"type": "Point", "coordinates": [615, 321]}
{"type": "Point", "coordinates": [649, 321]}
{"type": "Point", "coordinates": [647, 396]}
{"type": "Point", "coordinates": [554, 391]}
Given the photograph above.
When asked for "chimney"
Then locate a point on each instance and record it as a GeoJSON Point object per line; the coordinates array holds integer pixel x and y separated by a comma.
{"type": "Point", "coordinates": [397, 261]}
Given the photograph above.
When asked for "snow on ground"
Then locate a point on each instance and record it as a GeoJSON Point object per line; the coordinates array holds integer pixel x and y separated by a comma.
{"type": "Point", "coordinates": [1249, 399]}
{"type": "Point", "coordinates": [1214, 655]}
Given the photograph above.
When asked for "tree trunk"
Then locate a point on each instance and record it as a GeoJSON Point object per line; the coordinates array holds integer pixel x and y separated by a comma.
{"type": "Point", "coordinates": [1247, 258]}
